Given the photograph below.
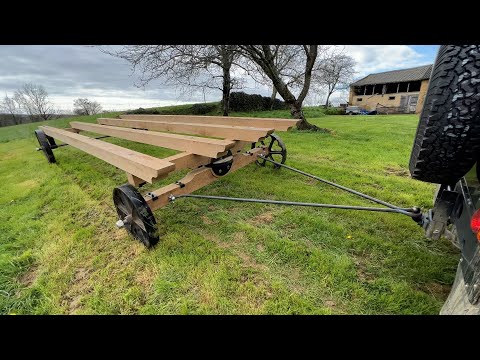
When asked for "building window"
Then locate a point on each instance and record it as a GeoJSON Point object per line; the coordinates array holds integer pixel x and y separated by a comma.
{"type": "Point", "coordinates": [391, 98]}
{"type": "Point", "coordinates": [414, 86]}
{"type": "Point", "coordinates": [392, 88]}
{"type": "Point", "coordinates": [403, 87]}
{"type": "Point", "coordinates": [359, 99]}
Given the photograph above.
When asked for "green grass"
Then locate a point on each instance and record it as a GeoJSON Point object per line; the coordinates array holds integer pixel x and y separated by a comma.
{"type": "Point", "coordinates": [60, 252]}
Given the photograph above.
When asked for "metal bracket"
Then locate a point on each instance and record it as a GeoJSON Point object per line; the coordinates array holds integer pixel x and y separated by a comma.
{"type": "Point", "coordinates": [440, 214]}
{"type": "Point", "coordinates": [152, 196]}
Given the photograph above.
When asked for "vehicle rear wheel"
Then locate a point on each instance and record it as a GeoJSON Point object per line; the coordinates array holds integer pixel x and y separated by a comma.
{"type": "Point", "coordinates": [447, 141]}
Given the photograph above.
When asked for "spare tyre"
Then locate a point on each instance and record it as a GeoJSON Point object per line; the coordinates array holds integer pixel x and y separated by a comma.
{"type": "Point", "coordinates": [447, 141]}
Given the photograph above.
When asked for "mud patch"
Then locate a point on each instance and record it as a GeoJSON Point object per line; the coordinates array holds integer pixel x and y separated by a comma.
{"type": "Point", "coordinates": [146, 277]}
{"type": "Point", "coordinates": [206, 220]}
{"type": "Point", "coordinates": [437, 290]}
{"type": "Point", "coordinates": [265, 218]}
{"type": "Point", "coordinates": [238, 238]}
{"type": "Point", "coordinates": [74, 304]}
{"type": "Point", "coordinates": [362, 269]}
{"type": "Point", "coordinates": [397, 171]}
{"type": "Point", "coordinates": [330, 303]}
{"type": "Point", "coordinates": [28, 278]}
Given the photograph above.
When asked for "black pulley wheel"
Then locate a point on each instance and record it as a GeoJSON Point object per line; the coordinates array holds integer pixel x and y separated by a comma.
{"type": "Point", "coordinates": [447, 142]}
{"type": "Point", "coordinates": [45, 145]}
{"type": "Point", "coordinates": [136, 215]}
{"type": "Point", "coordinates": [277, 151]}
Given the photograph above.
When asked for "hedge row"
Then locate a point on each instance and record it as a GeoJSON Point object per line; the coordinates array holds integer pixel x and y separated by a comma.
{"type": "Point", "coordinates": [240, 101]}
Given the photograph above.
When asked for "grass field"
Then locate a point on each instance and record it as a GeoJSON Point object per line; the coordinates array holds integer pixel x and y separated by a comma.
{"type": "Point", "coordinates": [60, 252]}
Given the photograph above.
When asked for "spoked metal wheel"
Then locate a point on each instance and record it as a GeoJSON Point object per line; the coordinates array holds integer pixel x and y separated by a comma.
{"type": "Point", "coordinates": [277, 151]}
{"type": "Point", "coordinates": [135, 215]}
{"type": "Point", "coordinates": [45, 145]}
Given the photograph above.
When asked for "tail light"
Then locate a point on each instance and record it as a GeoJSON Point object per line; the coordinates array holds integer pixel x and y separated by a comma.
{"type": "Point", "coordinates": [475, 223]}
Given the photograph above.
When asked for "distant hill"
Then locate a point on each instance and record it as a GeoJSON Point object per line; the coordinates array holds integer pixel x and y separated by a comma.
{"type": "Point", "coordinates": [7, 120]}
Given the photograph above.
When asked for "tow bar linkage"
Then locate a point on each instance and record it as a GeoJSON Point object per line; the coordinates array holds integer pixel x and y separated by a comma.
{"type": "Point", "coordinates": [415, 213]}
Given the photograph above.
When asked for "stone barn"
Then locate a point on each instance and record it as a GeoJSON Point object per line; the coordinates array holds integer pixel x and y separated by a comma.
{"type": "Point", "coordinates": [398, 91]}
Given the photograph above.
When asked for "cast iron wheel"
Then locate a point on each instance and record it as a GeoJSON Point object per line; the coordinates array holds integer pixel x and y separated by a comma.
{"type": "Point", "coordinates": [136, 215]}
{"type": "Point", "coordinates": [45, 145]}
{"type": "Point", "coordinates": [277, 151]}
{"type": "Point", "coordinates": [447, 141]}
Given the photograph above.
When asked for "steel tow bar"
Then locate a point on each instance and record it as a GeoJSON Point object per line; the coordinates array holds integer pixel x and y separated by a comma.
{"type": "Point", "coordinates": [413, 212]}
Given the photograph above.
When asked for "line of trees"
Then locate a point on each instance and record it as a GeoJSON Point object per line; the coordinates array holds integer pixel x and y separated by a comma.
{"type": "Point", "coordinates": [290, 70]}
{"type": "Point", "coordinates": [32, 100]}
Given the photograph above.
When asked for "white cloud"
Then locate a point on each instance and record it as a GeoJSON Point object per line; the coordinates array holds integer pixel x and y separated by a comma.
{"type": "Point", "coordinates": [116, 103]}
{"type": "Point", "coordinates": [69, 72]}
{"type": "Point", "coordinates": [378, 58]}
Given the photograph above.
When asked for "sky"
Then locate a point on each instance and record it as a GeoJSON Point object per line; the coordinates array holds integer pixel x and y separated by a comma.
{"type": "Point", "coordinates": [71, 71]}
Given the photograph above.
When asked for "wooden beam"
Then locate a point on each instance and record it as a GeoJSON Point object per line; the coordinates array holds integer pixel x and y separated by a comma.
{"type": "Point", "coordinates": [188, 160]}
{"type": "Point", "coordinates": [140, 165]}
{"type": "Point", "coordinates": [277, 124]}
{"type": "Point", "coordinates": [192, 144]}
{"type": "Point", "coordinates": [199, 178]}
{"type": "Point", "coordinates": [135, 181]}
{"type": "Point", "coordinates": [252, 134]}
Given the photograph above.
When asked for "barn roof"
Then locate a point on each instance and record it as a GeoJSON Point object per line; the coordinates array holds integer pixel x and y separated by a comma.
{"type": "Point", "coordinates": [412, 74]}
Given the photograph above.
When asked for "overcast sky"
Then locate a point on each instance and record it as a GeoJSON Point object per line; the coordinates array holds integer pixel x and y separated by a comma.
{"type": "Point", "coordinates": [71, 71]}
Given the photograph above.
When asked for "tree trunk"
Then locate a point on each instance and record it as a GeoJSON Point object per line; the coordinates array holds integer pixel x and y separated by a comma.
{"type": "Point", "coordinates": [272, 98]}
{"type": "Point", "coordinates": [297, 113]}
{"type": "Point", "coordinates": [227, 86]}
{"type": "Point", "coordinates": [328, 98]}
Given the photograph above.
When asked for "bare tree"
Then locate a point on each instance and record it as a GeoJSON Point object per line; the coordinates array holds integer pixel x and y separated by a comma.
{"type": "Point", "coordinates": [187, 67]}
{"type": "Point", "coordinates": [9, 105]}
{"type": "Point", "coordinates": [285, 58]}
{"type": "Point", "coordinates": [33, 99]}
{"type": "Point", "coordinates": [286, 81]}
{"type": "Point", "coordinates": [333, 73]}
{"type": "Point", "coordinates": [83, 106]}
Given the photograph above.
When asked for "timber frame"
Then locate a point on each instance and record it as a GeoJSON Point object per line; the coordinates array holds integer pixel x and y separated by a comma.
{"type": "Point", "coordinates": [227, 136]}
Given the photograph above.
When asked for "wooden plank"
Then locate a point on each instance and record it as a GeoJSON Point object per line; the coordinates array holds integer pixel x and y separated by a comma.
{"type": "Point", "coordinates": [199, 178]}
{"type": "Point", "coordinates": [140, 165]}
{"type": "Point", "coordinates": [277, 124]}
{"type": "Point", "coordinates": [245, 133]}
{"type": "Point", "coordinates": [192, 144]}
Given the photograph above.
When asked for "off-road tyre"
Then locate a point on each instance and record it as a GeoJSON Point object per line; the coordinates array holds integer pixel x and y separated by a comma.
{"type": "Point", "coordinates": [447, 141]}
